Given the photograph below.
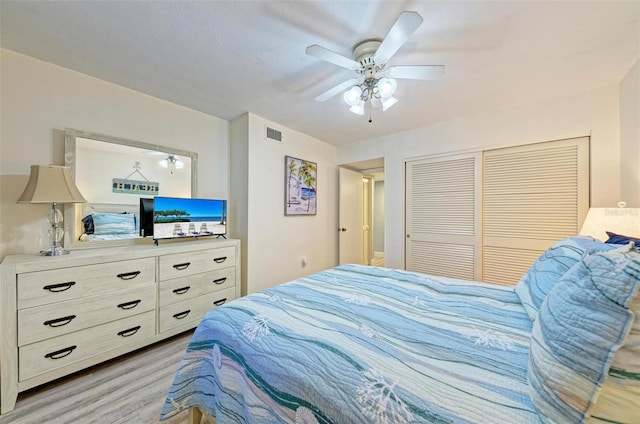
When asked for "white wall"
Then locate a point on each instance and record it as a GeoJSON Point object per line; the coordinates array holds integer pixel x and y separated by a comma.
{"type": "Point", "coordinates": [274, 243]}
{"type": "Point", "coordinates": [40, 100]}
{"type": "Point", "coordinates": [595, 113]}
{"type": "Point", "coordinates": [630, 137]}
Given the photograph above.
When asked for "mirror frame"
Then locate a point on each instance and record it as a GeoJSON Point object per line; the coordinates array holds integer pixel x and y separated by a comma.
{"type": "Point", "coordinates": [70, 211]}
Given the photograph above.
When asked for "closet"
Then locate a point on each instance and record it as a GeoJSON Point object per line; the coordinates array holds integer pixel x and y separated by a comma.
{"type": "Point", "coordinates": [488, 215]}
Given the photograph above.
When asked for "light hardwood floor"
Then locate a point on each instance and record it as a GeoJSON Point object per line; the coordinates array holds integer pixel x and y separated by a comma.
{"type": "Point", "coordinates": [130, 389]}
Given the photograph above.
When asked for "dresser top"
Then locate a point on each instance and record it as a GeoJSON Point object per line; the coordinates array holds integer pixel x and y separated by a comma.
{"type": "Point", "coordinates": [35, 262]}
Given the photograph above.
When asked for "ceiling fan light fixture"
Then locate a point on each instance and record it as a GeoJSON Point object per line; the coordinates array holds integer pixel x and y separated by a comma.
{"type": "Point", "coordinates": [387, 87]}
{"type": "Point", "coordinates": [388, 102]}
{"type": "Point", "coordinates": [352, 96]}
{"type": "Point", "coordinates": [172, 161]}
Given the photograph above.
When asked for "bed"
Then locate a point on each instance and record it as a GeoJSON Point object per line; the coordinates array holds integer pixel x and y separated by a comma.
{"type": "Point", "coordinates": [107, 221]}
{"type": "Point", "coordinates": [361, 344]}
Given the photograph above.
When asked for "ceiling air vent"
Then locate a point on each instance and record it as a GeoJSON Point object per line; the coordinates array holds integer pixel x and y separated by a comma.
{"type": "Point", "coordinates": [274, 135]}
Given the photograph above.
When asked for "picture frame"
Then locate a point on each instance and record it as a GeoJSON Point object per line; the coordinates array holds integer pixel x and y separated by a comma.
{"type": "Point", "coordinates": [300, 186]}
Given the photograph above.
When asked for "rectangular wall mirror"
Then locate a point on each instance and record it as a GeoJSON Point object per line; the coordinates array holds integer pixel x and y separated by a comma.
{"type": "Point", "coordinates": [113, 174]}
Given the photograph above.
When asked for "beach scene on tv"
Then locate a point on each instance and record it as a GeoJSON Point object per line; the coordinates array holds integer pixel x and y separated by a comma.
{"type": "Point", "coordinates": [184, 217]}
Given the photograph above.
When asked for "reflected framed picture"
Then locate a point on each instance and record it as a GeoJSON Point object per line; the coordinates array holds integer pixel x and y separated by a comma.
{"type": "Point", "coordinates": [300, 183]}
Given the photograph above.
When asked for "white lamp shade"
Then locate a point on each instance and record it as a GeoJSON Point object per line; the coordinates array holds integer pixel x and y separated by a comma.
{"type": "Point", "coordinates": [386, 87]}
{"type": "Point", "coordinates": [352, 96]}
{"type": "Point", "coordinates": [388, 102]}
{"type": "Point", "coordinates": [51, 183]}
{"type": "Point", "coordinates": [358, 108]}
{"type": "Point", "coordinates": [623, 221]}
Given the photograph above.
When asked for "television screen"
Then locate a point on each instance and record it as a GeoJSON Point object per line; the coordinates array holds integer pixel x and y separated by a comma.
{"type": "Point", "coordinates": [175, 217]}
{"type": "Point", "coordinates": [146, 217]}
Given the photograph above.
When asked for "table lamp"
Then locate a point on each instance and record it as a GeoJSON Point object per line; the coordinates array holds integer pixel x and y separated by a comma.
{"type": "Point", "coordinates": [620, 220]}
{"type": "Point", "coordinates": [52, 184]}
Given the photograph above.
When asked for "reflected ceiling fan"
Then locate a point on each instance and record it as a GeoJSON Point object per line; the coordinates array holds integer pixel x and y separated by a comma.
{"type": "Point", "coordinates": [374, 81]}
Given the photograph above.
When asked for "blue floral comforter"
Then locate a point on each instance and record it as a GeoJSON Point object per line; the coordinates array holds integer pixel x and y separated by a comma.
{"type": "Point", "coordinates": [357, 344]}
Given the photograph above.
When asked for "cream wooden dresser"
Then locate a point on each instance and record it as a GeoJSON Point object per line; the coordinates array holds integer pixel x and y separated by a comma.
{"type": "Point", "coordinates": [62, 314]}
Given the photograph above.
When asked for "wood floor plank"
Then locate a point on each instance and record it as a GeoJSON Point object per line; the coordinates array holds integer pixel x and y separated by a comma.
{"type": "Point", "coordinates": [126, 390]}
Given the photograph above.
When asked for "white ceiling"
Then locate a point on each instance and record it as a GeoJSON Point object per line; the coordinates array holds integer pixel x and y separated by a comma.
{"type": "Point", "coordinates": [225, 58]}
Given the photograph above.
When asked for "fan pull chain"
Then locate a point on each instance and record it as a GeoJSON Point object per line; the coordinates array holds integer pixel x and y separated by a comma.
{"type": "Point", "coordinates": [370, 109]}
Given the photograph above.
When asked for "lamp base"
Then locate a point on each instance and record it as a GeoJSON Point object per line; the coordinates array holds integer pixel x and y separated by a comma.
{"type": "Point", "coordinates": [55, 251]}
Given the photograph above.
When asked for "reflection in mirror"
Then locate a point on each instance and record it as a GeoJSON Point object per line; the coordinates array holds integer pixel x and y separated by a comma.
{"type": "Point", "coordinates": [113, 174]}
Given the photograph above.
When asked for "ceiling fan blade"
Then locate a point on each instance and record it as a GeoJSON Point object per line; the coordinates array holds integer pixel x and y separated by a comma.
{"type": "Point", "coordinates": [332, 57]}
{"type": "Point", "coordinates": [337, 89]}
{"type": "Point", "coordinates": [417, 72]}
{"type": "Point", "coordinates": [405, 25]}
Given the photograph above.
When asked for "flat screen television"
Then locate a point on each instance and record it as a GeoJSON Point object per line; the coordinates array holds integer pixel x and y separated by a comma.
{"type": "Point", "coordinates": [176, 217]}
{"type": "Point", "coordinates": [146, 217]}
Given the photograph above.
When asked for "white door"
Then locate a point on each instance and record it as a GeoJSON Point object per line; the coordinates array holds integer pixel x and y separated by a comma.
{"type": "Point", "coordinates": [350, 217]}
{"type": "Point", "coordinates": [443, 231]}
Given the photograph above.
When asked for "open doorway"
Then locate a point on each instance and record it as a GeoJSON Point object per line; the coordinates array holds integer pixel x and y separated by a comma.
{"type": "Point", "coordinates": [361, 214]}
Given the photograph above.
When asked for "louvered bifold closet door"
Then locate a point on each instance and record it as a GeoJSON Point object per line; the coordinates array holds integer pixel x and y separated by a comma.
{"type": "Point", "coordinates": [443, 216]}
{"type": "Point", "coordinates": [534, 196]}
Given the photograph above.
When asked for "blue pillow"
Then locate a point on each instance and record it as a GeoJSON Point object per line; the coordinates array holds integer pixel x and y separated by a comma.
{"type": "Point", "coordinates": [584, 322]}
{"type": "Point", "coordinates": [114, 223]}
{"type": "Point", "coordinates": [619, 239]}
{"type": "Point", "coordinates": [551, 266]}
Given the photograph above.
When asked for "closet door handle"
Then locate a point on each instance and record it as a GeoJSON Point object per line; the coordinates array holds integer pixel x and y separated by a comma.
{"type": "Point", "coordinates": [220, 280]}
{"type": "Point", "coordinates": [59, 322]}
{"type": "Point", "coordinates": [220, 259]}
{"type": "Point", "coordinates": [61, 353]}
{"type": "Point", "coordinates": [54, 288]}
{"type": "Point", "coordinates": [129, 332]}
{"type": "Point", "coordinates": [129, 305]}
{"type": "Point", "coordinates": [181, 315]}
{"type": "Point", "coordinates": [129, 275]}
{"type": "Point", "coordinates": [182, 290]}
{"type": "Point", "coordinates": [220, 302]}
{"type": "Point", "coordinates": [182, 266]}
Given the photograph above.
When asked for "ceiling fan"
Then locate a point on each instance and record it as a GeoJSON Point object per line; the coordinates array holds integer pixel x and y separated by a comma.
{"type": "Point", "coordinates": [373, 80]}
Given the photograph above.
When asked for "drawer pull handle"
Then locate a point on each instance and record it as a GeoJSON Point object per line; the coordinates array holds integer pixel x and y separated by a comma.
{"type": "Point", "coordinates": [180, 267]}
{"type": "Point", "coordinates": [181, 315]}
{"type": "Point", "coordinates": [54, 288]}
{"type": "Point", "coordinates": [59, 322]}
{"type": "Point", "coordinates": [220, 302]}
{"type": "Point", "coordinates": [60, 353]}
{"type": "Point", "coordinates": [220, 280]}
{"type": "Point", "coordinates": [129, 275]}
{"type": "Point", "coordinates": [129, 305]}
{"type": "Point", "coordinates": [129, 332]}
{"type": "Point", "coordinates": [220, 259]}
{"type": "Point", "coordinates": [182, 290]}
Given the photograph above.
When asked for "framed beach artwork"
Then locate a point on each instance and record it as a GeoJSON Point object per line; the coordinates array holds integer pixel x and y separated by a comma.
{"type": "Point", "coordinates": [301, 181]}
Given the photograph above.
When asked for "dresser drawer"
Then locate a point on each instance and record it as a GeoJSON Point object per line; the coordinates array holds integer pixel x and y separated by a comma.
{"type": "Point", "coordinates": [42, 287]}
{"type": "Point", "coordinates": [183, 264]}
{"type": "Point", "coordinates": [55, 319]}
{"type": "Point", "coordinates": [184, 288]}
{"type": "Point", "coordinates": [39, 358]}
{"type": "Point", "coordinates": [193, 310]}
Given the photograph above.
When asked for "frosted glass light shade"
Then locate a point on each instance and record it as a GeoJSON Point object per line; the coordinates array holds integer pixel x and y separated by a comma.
{"type": "Point", "coordinates": [358, 108]}
{"type": "Point", "coordinates": [386, 87]}
{"type": "Point", "coordinates": [388, 102]}
{"type": "Point", "coordinates": [352, 96]}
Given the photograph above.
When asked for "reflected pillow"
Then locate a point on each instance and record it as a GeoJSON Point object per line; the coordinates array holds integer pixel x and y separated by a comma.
{"type": "Point", "coordinates": [114, 223]}
{"type": "Point", "coordinates": [620, 239]}
{"type": "Point", "coordinates": [585, 338]}
{"type": "Point", "coordinates": [551, 266]}
{"type": "Point", "coordinates": [87, 222]}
